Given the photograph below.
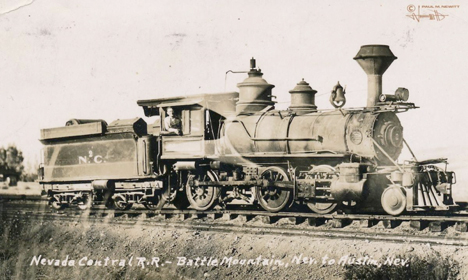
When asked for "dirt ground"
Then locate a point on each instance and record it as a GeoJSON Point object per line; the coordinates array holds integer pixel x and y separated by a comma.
{"type": "Point", "coordinates": [44, 249]}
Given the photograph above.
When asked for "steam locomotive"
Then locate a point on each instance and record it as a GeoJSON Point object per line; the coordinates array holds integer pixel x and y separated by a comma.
{"type": "Point", "coordinates": [235, 148]}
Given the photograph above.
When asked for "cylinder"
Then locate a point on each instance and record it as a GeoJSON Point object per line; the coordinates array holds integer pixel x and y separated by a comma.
{"type": "Point", "coordinates": [344, 191]}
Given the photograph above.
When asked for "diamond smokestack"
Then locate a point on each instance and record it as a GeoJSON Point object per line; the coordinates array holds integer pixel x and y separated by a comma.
{"type": "Point", "coordinates": [374, 60]}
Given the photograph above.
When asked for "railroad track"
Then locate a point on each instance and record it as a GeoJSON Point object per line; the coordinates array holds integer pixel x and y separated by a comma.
{"type": "Point", "coordinates": [339, 225]}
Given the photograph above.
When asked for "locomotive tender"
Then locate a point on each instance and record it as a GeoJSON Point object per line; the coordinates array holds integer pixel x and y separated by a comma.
{"type": "Point", "coordinates": [235, 148]}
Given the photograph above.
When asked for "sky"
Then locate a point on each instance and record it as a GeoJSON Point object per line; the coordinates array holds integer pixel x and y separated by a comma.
{"type": "Point", "coordinates": [94, 59]}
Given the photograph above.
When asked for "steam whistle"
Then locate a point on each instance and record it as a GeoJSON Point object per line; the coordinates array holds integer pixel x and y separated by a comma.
{"type": "Point", "coordinates": [252, 63]}
{"type": "Point", "coordinates": [337, 98]}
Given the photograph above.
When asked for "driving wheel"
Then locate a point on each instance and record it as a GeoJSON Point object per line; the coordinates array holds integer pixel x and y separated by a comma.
{"type": "Point", "coordinates": [274, 199]}
{"type": "Point", "coordinates": [321, 207]}
{"type": "Point", "coordinates": [202, 197]}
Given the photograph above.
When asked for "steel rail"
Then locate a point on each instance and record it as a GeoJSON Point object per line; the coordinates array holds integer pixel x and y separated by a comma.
{"type": "Point", "coordinates": [461, 217]}
{"type": "Point", "coordinates": [276, 230]}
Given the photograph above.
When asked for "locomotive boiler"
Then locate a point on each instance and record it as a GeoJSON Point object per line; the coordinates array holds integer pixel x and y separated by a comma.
{"type": "Point", "coordinates": [235, 148]}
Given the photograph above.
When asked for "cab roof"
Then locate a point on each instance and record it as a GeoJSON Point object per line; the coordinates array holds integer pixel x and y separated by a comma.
{"type": "Point", "coordinates": [220, 103]}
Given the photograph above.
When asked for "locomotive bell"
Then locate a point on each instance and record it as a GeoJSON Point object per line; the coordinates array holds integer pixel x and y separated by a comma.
{"type": "Point", "coordinates": [303, 98]}
{"type": "Point", "coordinates": [374, 60]}
{"type": "Point", "coordinates": [254, 92]}
{"type": "Point", "coordinates": [337, 98]}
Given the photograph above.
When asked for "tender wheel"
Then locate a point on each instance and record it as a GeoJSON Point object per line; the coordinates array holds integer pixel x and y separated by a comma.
{"type": "Point", "coordinates": [202, 197]}
{"type": "Point", "coordinates": [394, 200]}
{"type": "Point", "coordinates": [121, 204]}
{"type": "Point", "coordinates": [322, 207]}
{"type": "Point", "coordinates": [85, 203]}
{"type": "Point", "coordinates": [55, 204]}
{"type": "Point", "coordinates": [156, 203]}
{"type": "Point", "coordinates": [270, 198]}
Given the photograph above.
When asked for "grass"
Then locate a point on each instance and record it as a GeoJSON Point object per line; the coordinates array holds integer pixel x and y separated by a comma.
{"type": "Point", "coordinates": [433, 266]}
{"type": "Point", "coordinates": [21, 240]}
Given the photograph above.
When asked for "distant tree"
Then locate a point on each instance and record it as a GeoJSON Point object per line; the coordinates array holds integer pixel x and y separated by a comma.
{"type": "Point", "coordinates": [14, 158]}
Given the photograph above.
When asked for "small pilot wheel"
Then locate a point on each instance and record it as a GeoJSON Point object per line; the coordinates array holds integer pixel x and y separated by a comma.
{"type": "Point", "coordinates": [121, 204]}
{"type": "Point", "coordinates": [274, 199]}
{"type": "Point", "coordinates": [86, 202]}
{"type": "Point", "coordinates": [322, 207]}
{"type": "Point", "coordinates": [202, 197]}
{"type": "Point", "coordinates": [394, 200]}
{"type": "Point", "coordinates": [55, 204]}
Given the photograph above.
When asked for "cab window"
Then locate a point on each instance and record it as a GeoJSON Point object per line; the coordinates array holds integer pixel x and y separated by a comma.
{"type": "Point", "coordinates": [192, 122]}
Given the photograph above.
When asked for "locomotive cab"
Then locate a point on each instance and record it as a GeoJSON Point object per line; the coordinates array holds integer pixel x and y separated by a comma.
{"type": "Point", "coordinates": [198, 118]}
{"type": "Point", "coordinates": [189, 141]}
